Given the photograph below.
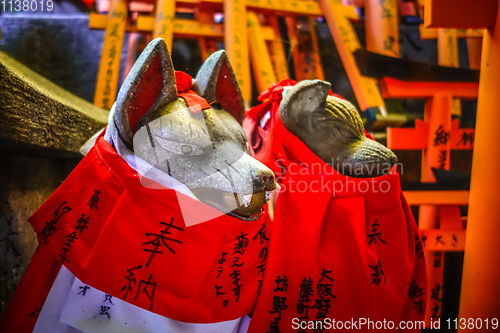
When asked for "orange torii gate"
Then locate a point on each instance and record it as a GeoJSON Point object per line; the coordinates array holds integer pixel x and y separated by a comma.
{"type": "Point", "coordinates": [480, 299]}
{"type": "Point", "coordinates": [109, 68]}
{"type": "Point", "coordinates": [307, 63]}
{"type": "Point", "coordinates": [382, 26]}
{"type": "Point", "coordinates": [269, 63]}
{"type": "Point", "coordinates": [440, 224]}
{"type": "Point", "coordinates": [347, 43]}
{"type": "Point", "coordinates": [115, 24]}
{"type": "Point", "coordinates": [448, 50]}
{"type": "Point", "coordinates": [163, 24]}
{"type": "Point", "coordinates": [336, 14]}
{"type": "Point", "coordinates": [277, 52]}
{"type": "Point", "coordinates": [474, 41]}
{"type": "Point", "coordinates": [236, 39]}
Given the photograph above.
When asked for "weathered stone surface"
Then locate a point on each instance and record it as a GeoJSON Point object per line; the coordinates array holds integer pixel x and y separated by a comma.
{"type": "Point", "coordinates": [26, 182]}
{"type": "Point", "coordinates": [36, 112]}
{"type": "Point", "coordinates": [60, 47]}
{"type": "Point", "coordinates": [37, 117]}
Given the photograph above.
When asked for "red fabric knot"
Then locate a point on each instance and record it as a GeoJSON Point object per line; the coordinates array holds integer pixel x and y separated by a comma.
{"type": "Point", "coordinates": [277, 94]}
{"type": "Point", "coordinates": [184, 81]}
{"type": "Point", "coordinates": [274, 92]}
{"type": "Point", "coordinates": [271, 99]}
{"type": "Point", "coordinates": [335, 95]}
{"type": "Point", "coordinates": [195, 102]}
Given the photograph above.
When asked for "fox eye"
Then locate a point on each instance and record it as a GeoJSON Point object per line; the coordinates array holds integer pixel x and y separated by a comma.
{"type": "Point", "coordinates": [186, 149]}
{"type": "Point", "coordinates": [180, 148]}
{"type": "Point", "coordinates": [345, 132]}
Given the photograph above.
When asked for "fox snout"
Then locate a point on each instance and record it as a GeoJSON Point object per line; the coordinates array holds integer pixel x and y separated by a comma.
{"type": "Point", "coordinates": [262, 177]}
{"type": "Point", "coordinates": [365, 158]}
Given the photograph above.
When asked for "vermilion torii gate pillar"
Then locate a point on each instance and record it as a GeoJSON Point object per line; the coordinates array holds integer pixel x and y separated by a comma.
{"type": "Point", "coordinates": [480, 297]}
{"type": "Point", "coordinates": [440, 225]}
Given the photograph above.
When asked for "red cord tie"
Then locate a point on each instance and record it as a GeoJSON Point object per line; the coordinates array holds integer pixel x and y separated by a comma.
{"type": "Point", "coordinates": [195, 102]}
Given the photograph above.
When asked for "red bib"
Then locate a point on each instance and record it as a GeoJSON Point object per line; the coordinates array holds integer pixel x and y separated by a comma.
{"type": "Point", "coordinates": [131, 242]}
{"type": "Point", "coordinates": [342, 248]}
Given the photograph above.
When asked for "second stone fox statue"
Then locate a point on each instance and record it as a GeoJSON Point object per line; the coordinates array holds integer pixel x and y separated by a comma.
{"type": "Point", "coordinates": [345, 252]}
{"type": "Point", "coordinates": [161, 226]}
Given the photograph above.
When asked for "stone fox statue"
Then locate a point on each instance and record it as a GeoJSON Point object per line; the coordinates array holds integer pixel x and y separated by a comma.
{"type": "Point", "coordinates": [197, 142]}
{"type": "Point", "coordinates": [161, 226]}
{"type": "Point", "coordinates": [344, 242]}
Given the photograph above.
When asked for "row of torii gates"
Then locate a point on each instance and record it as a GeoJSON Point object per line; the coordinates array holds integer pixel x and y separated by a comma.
{"type": "Point", "coordinates": [247, 39]}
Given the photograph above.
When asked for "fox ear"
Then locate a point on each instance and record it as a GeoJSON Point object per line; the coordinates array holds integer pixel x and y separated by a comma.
{"type": "Point", "coordinates": [150, 84]}
{"type": "Point", "coordinates": [216, 81]}
{"type": "Point", "coordinates": [303, 98]}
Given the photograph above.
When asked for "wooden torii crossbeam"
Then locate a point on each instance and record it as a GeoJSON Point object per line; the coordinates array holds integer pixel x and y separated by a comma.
{"type": "Point", "coordinates": [440, 224]}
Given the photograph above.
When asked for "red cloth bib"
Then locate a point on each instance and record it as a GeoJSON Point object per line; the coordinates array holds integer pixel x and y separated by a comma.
{"type": "Point", "coordinates": [131, 242]}
{"type": "Point", "coordinates": [342, 248]}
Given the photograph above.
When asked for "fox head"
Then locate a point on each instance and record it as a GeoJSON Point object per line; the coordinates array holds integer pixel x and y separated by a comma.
{"type": "Point", "coordinates": [332, 128]}
{"type": "Point", "coordinates": [202, 146]}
